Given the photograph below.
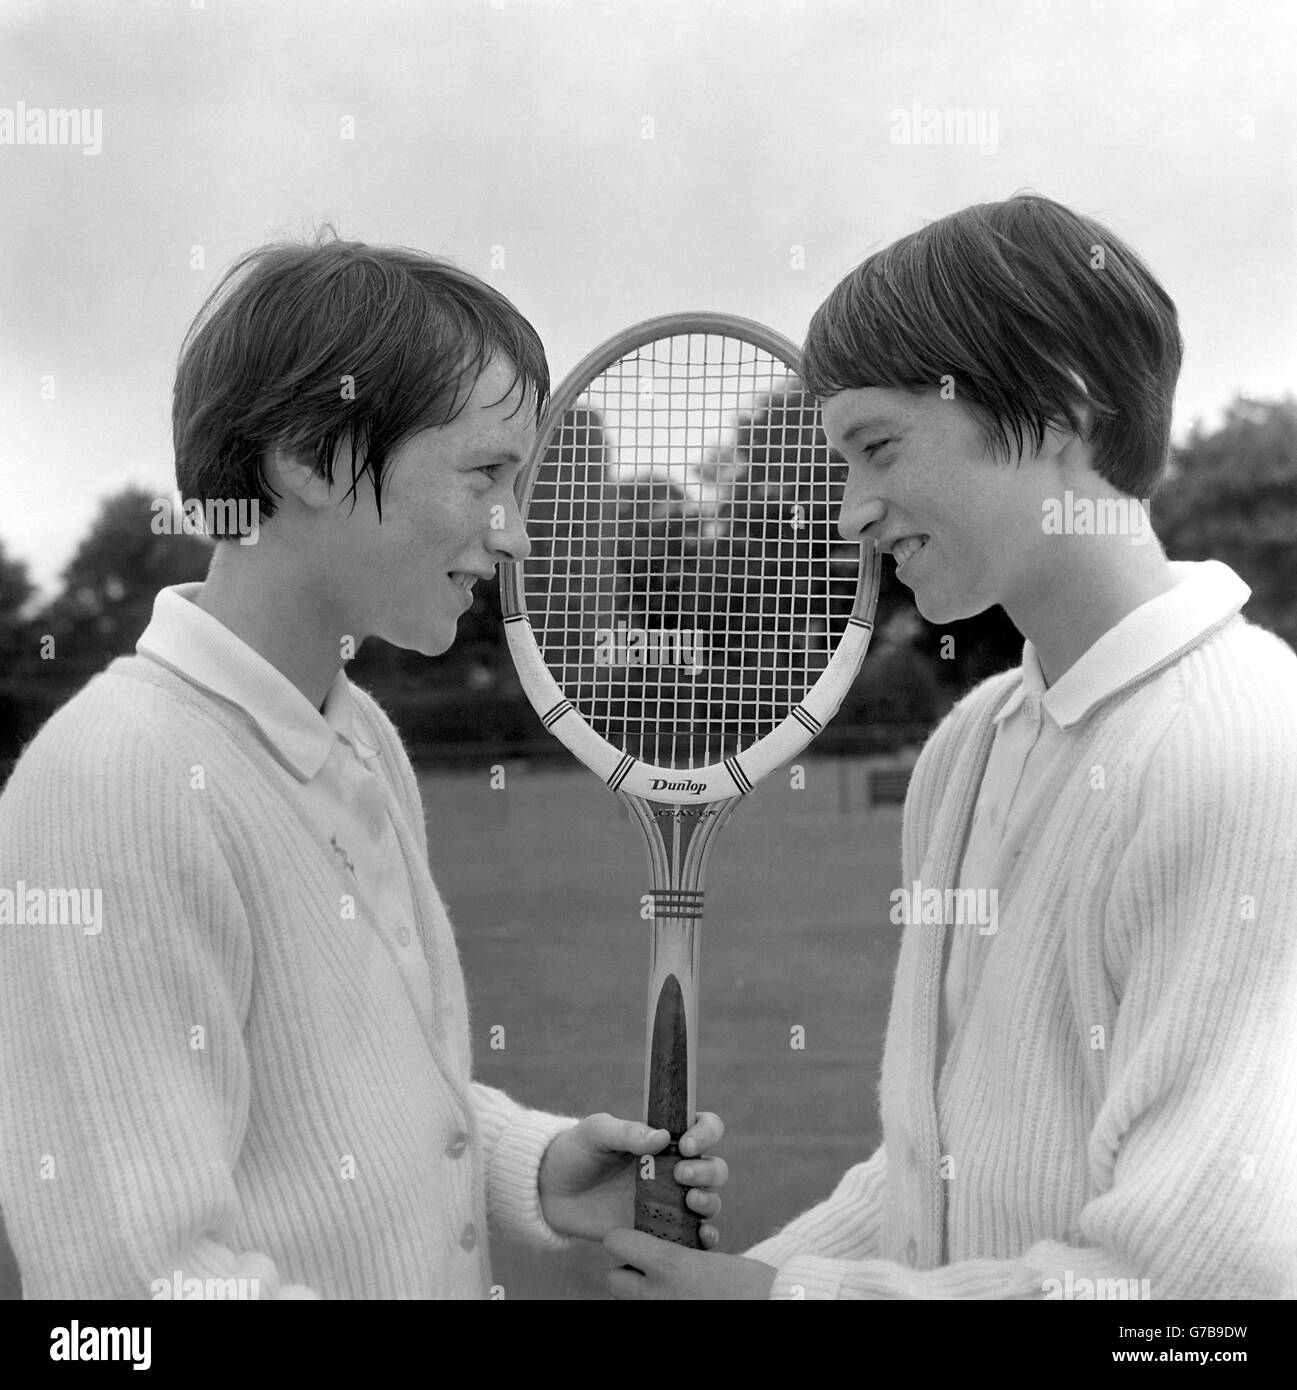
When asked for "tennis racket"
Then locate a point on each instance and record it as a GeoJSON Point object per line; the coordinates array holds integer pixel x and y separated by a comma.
{"type": "Point", "coordinates": [686, 621]}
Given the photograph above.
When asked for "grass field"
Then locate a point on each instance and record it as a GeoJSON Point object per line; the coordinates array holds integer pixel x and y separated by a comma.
{"type": "Point", "coordinates": [543, 879]}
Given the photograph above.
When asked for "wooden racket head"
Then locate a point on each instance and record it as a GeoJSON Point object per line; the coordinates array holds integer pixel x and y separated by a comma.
{"type": "Point", "coordinates": [688, 618]}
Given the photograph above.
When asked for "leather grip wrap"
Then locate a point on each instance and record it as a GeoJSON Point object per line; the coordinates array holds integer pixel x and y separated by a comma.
{"type": "Point", "coordinates": [660, 1203]}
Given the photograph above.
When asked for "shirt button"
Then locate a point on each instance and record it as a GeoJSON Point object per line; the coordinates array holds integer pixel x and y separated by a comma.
{"type": "Point", "coordinates": [1029, 705]}
{"type": "Point", "coordinates": [469, 1239]}
{"type": "Point", "coordinates": [457, 1145]}
{"type": "Point", "coordinates": [403, 936]}
{"type": "Point", "coordinates": [375, 828]}
{"type": "Point", "coordinates": [912, 1252]}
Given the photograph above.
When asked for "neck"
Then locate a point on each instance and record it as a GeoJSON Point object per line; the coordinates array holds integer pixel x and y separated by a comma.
{"type": "Point", "coordinates": [1094, 582]}
{"type": "Point", "coordinates": [281, 618]}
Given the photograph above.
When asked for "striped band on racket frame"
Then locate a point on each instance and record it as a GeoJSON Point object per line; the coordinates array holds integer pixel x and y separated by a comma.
{"type": "Point", "coordinates": [687, 620]}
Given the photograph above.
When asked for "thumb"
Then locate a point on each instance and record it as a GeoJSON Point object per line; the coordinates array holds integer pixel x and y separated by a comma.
{"type": "Point", "coordinates": [627, 1136]}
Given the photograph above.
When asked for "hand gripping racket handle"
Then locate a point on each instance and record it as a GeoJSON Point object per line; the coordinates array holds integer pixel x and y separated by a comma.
{"type": "Point", "coordinates": [660, 1208]}
{"type": "Point", "coordinates": [660, 1203]}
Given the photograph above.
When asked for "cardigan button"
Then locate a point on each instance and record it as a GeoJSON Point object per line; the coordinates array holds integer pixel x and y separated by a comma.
{"type": "Point", "coordinates": [457, 1145]}
{"type": "Point", "coordinates": [403, 936]}
{"type": "Point", "coordinates": [375, 828]}
{"type": "Point", "coordinates": [469, 1239]}
{"type": "Point", "coordinates": [912, 1252]}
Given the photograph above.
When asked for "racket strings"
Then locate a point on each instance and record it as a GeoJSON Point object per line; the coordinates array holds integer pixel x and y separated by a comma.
{"type": "Point", "coordinates": [686, 584]}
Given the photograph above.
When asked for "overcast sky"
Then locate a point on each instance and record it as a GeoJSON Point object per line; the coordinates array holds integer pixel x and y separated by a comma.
{"type": "Point", "coordinates": [626, 159]}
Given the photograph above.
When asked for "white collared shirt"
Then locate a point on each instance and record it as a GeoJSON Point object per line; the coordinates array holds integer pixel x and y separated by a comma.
{"type": "Point", "coordinates": [330, 761]}
{"type": "Point", "coordinates": [1037, 722]}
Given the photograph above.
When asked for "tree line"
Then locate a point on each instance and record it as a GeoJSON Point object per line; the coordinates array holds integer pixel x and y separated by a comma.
{"type": "Point", "coordinates": [1230, 494]}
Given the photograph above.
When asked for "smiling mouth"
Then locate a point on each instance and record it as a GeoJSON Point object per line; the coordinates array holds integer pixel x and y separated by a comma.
{"type": "Point", "coordinates": [907, 548]}
{"type": "Point", "coordinates": [464, 581]}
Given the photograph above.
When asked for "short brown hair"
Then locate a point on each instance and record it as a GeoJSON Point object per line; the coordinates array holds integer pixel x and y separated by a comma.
{"type": "Point", "coordinates": [267, 361]}
{"type": "Point", "coordinates": [1014, 300]}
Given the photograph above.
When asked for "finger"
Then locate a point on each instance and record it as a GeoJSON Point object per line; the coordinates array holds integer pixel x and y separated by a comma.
{"type": "Point", "coordinates": [709, 1236]}
{"type": "Point", "coordinates": [627, 1285]}
{"type": "Point", "coordinates": [626, 1136]}
{"type": "Point", "coordinates": [702, 1172]}
{"type": "Point", "coordinates": [705, 1133]}
{"type": "Point", "coordinates": [638, 1249]}
{"type": "Point", "coordinates": [704, 1203]}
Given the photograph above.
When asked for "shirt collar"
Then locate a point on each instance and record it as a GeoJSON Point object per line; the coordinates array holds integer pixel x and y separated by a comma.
{"type": "Point", "coordinates": [1207, 594]}
{"type": "Point", "coordinates": [202, 650]}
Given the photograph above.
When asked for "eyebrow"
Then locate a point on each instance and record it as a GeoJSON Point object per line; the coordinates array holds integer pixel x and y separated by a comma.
{"type": "Point", "coordinates": [498, 455]}
{"type": "Point", "coordinates": [869, 422]}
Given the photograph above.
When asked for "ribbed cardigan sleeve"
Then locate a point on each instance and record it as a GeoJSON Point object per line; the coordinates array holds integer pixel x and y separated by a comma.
{"type": "Point", "coordinates": [1194, 1146]}
{"type": "Point", "coordinates": [124, 1081]}
{"type": "Point", "coordinates": [813, 1250]}
{"type": "Point", "coordinates": [843, 1228]}
{"type": "Point", "coordinates": [514, 1140]}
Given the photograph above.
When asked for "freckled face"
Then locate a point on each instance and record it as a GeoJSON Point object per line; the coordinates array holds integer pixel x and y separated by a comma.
{"type": "Point", "coordinates": [964, 528]}
{"type": "Point", "coordinates": [449, 517]}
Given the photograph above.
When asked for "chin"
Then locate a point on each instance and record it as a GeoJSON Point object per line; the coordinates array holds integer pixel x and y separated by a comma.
{"type": "Point", "coordinates": [935, 610]}
{"type": "Point", "coordinates": [436, 646]}
{"type": "Point", "coordinates": [425, 643]}
{"type": "Point", "coordinates": [941, 610]}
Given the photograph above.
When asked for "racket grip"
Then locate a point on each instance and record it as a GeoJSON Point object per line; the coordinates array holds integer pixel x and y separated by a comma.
{"type": "Point", "coordinates": [660, 1208]}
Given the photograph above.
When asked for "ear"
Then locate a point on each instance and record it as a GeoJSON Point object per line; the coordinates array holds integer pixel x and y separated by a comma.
{"type": "Point", "coordinates": [1060, 436]}
{"type": "Point", "coordinates": [1081, 408]}
{"type": "Point", "coordinates": [292, 476]}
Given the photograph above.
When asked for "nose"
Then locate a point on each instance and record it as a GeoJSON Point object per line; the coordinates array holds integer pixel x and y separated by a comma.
{"type": "Point", "coordinates": [509, 541]}
{"type": "Point", "coordinates": [860, 506]}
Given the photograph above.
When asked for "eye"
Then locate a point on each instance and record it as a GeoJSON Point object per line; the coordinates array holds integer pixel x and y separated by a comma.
{"type": "Point", "coordinates": [871, 449]}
